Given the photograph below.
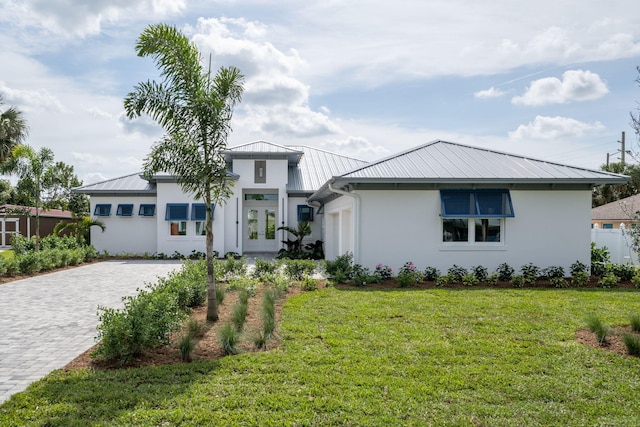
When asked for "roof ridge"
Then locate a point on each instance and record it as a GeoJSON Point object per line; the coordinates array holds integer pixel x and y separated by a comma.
{"type": "Point", "coordinates": [327, 151]}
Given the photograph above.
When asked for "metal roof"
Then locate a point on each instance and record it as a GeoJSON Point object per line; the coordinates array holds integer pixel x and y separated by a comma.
{"type": "Point", "coordinates": [132, 184]}
{"type": "Point", "coordinates": [262, 150]}
{"type": "Point", "coordinates": [440, 162]}
{"type": "Point", "coordinates": [316, 167]}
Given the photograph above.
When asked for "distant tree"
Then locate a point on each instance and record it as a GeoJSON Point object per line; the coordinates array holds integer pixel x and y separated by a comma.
{"type": "Point", "coordinates": [59, 179]}
{"type": "Point", "coordinates": [608, 193]}
{"type": "Point", "coordinates": [6, 192]}
{"type": "Point", "coordinates": [195, 109]}
{"type": "Point", "coordinates": [31, 166]}
{"type": "Point", "coordinates": [13, 130]}
{"type": "Point", "coordinates": [635, 118]}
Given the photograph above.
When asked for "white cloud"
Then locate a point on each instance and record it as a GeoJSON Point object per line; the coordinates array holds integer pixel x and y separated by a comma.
{"type": "Point", "coordinates": [576, 85]}
{"type": "Point", "coordinates": [355, 146]}
{"type": "Point", "coordinates": [29, 100]}
{"type": "Point", "coordinates": [492, 92]}
{"type": "Point", "coordinates": [553, 128]}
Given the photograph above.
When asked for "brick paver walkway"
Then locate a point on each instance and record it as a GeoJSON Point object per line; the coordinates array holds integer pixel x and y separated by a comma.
{"type": "Point", "coordinates": [48, 320]}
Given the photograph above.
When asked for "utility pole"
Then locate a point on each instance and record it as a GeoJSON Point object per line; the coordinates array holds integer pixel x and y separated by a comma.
{"type": "Point", "coordinates": [623, 151]}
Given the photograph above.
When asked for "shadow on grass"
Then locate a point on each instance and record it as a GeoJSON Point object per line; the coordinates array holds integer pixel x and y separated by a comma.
{"type": "Point", "coordinates": [86, 397]}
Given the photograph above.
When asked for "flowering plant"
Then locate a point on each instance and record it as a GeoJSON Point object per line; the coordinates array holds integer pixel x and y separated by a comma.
{"type": "Point", "coordinates": [409, 275]}
{"type": "Point", "coordinates": [384, 272]}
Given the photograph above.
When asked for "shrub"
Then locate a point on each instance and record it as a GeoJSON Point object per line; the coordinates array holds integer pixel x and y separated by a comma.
{"type": "Point", "coordinates": [578, 266]}
{"type": "Point", "coordinates": [431, 274]}
{"type": "Point", "coordinates": [309, 284]}
{"type": "Point", "coordinates": [599, 259]}
{"type": "Point", "coordinates": [579, 278]}
{"type": "Point", "coordinates": [559, 282]}
{"type": "Point", "coordinates": [505, 272]}
{"type": "Point", "coordinates": [232, 267]}
{"type": "Point", "coordinates": [239, 314]}
{"type": "Point", "coordinates": [600, 329]}
{"type": "Point", "coordinates": [29, 263]}
{"type": "Point", "coordinates": [530, 273]}
{"type": "Point", "coordinates": [609, 280]}
{"type": "Point", "coordinates": [518, 281]}
{"type": "Point", "coordinates": [298, 269]}
{"type": "Point", "coordinates": [492, 279]}
{"type": "Point", "coordinates": [362, 276]}
{"type": "Point", "coordinates": [383, 272]}
{"type": "Point", "coordinates": [189, 284]}
{"type": "Point", "coordinates": [229, 338]}
{"type": "Point", "coordinates": [456, 272]}
{"type": "Point", "coordinates": [555, 271]}
{"type": "Point", "coordinates": [636, 280]}
{"type": "Point", "coordinates": [635, 323]}
{"type": "Point", "coordinates": [480, 272]}
{"type": "Point", "coordinates": [408, 275]}
{"type": "Point", "coordinates": [247, 283]}
{"type": "Point", "coordinates": [195, 329]}
{"type": "Point", "coordinates": [264, 268]}
{"type": "Point", "coordinates": [470, 279]}
{"type": "Point", "coordinates": [623, 271]}
{"type": "Point", "coordinates": [342, 265]}
{"type": "Point", "coordinates": [220, 293]}
{"type": "Point", "coordinates": [632, 341]}
{"type": "Point", "coordinates": [444, 280]}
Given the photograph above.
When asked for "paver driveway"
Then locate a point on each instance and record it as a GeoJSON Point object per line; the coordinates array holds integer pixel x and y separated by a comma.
{"type": "Point", "coordinates": [48, 320]}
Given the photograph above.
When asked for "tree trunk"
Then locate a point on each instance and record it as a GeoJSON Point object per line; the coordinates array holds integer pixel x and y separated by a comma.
{"type": "Point", "coordinates": [212, 303]}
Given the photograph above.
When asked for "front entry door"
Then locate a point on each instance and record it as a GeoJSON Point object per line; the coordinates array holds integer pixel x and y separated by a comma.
{"type": "Point", "coordinates": [260, 229]}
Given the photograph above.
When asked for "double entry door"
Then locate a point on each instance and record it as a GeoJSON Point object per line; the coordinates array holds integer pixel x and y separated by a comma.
{"type": "Point", "coordinates": [260, 228]}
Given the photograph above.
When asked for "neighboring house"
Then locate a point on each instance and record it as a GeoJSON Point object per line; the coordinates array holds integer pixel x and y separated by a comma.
{"type": "Point", "coordinates": [22, 220]}
{"type": "Point", "coordinates": [437, 205]}
{"type": "Point", "coordinates": [611, 215]}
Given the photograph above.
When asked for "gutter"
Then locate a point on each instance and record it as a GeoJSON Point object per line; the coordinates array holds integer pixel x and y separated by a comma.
{"type": "Point", "coordinates": [356, 220]}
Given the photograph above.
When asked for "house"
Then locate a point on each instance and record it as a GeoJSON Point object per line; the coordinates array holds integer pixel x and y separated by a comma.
{"type": "Point", "coordinates": [611, 215]}
{"type": "Point", "coordinates": [436, 205]}
{"type": "Point", "coordinates": [22, 220]}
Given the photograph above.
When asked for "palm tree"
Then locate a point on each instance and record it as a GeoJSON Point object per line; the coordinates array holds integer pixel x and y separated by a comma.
{"type": "Point", "coordinates": [80, 227]}
{"type": "Point", "coordinates": [195, 110]}
{"type": "Point", "coordinates": [31, 166]}
{"type": "Point", "coordinates": [13, 130]}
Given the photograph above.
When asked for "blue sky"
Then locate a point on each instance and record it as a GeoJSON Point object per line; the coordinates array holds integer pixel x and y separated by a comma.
{"type": "Point", "coordinates": [553, 80]}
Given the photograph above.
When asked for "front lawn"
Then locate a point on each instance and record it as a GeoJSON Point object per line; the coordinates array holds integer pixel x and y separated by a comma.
{"type": "Point", "coordinates": [379, 357]}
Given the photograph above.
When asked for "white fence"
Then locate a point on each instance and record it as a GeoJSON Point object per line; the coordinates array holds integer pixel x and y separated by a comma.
{"type": "Point", "coordinates": [618, 244]}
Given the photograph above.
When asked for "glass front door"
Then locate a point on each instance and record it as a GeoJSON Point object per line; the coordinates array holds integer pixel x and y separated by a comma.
{"type": "Point", "coordinates": [260, 229]}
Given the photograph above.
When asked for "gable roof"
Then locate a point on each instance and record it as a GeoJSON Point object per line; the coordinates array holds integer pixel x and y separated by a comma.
{"type": "Point", "coordinates": [619, 210]}
{"type": "Point", "coordinates": [263, 150]}
{"type": "Point", "coordinates": [440, 162]}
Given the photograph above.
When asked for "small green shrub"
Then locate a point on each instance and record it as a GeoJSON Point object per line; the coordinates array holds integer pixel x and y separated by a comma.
{"type": "Point", "coordinates": [518, 281]}
{"type": "Point", "coordinates": [444, 280]}
{"type": "Point", "coordinates": [559, 282]}
{"type": "Point", "coordinates": [599, 259]}
{"type": "Point", "coordinates": [632, 342]}
{"type": "Point", "coordinates": [221, 292]}
{"type": "Point", "coordinates": [29, 263]}
{"type": "Point", "coordinates": [343, 264]}
{"type": "Point", "coordinates": [408, 275]}
{"type": "Point", "coordinates": [298, 269]}
{"type": "Point", "coordinates": [239, 314]}
{"type": "Point", "coordinates": [530, 273]}
{"type": "Point", "coordinates": [636, 280]}
{"type": "Point", "coordinates": [362, 275]}
{"type": "Point", "coordinates": [579, 278]}
{"type": "Point", "coordinates": [243, 282]}
{"type": "Point", "coordinates": [492, 279]}
{"type": "Point", "coordinates": [264, 268]}
{"type": "Point", "coordinates": [268, 313]}
{"type": "Point", "coordinates": [623, 271]}
{"type": "Point", "coordinates": [195, 329]}
{"type": "Point", "coordinates": [232, 267]}
{"type": "Point", "coordinates": [578, 266]}
{"type": "Point", "coordinates": [457, 273]}
{"type": "Point", "coordinates": [187, 345]}
{"type": "Point", "coordinates": [600, 329]}
{"type": "Point", "coordinates": [470, 279]}
{"type": "Point", "coordinates": [309, 284]}
{"type": "Point", "coordinates": [505, 272]}
{"type": "Point", "coordinates": [480, 272]}
{"type": "Point", "coordinates": [635, 323]}
{"type": "Point", "coordinates": [609, 280]}
{"type": "Point", "coordinates": [229, 338]}
{"type": "Point", "coordinates": [431, 274]}
{"type": "Point", "coordinates": [555, 271]}
{"type": "Point", "coordinates": [383, 272]}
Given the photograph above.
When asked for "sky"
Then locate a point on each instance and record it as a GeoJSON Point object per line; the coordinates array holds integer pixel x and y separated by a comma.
{"type": "Point", "coordinates": [552, 80]}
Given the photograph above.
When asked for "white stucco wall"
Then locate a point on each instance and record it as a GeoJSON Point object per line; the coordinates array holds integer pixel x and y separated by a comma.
{"type": "Point", "coordinates": [339, 234]}
{"type": "Point", "coordinates": [168, 244]}
{"type": "Point", "coordinates": [550, 228]}
{"type": "Point", "coordinates": [124, 235]}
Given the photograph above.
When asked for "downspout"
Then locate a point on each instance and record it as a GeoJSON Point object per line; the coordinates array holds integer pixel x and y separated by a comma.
{"type": "Point", "coordinates": [356, 220]}
{"type": "Point", "coordinates": [317, 205]}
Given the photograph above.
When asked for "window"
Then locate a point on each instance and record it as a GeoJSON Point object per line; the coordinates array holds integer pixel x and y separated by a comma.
{"type": "Point", "coordinates": [178, 228]}
{"type": "Point", "coordinates": [607, 226]}
{"type": "Point", "coordinates": [124, 210]}
{"type": "Point", "coordinates": [147, 210]}
{"type": "Point", "coordinates": [476, 203]}
{"type": "Point", "coordinates": [177, 211]}
{"type": "Point", "coordinates": [261, 197]}
{"type": "Point", "coordinates": [305, 213]}
{"type": "Point", "coordinates": [199, 215]}
{"type": "Point", "coordinates": [102, 210]}
{"type": "Point", "coordinates": [260, 172]}
{"type": "Point", "coordinates": [474, 216]}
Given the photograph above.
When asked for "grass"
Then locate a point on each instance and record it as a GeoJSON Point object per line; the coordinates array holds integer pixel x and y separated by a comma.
{"type": "Point", "coordinates": [499, 357]}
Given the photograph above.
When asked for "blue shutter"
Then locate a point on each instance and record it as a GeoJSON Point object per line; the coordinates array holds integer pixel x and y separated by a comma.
{"type": "Point", "coordinates": [493, 203]}
{"type": "Point", "coordinates": [177, 212]}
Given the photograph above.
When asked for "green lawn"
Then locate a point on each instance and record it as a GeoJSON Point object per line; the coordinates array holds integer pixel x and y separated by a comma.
{"type": "Point", "coordinates": [479, 357]}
